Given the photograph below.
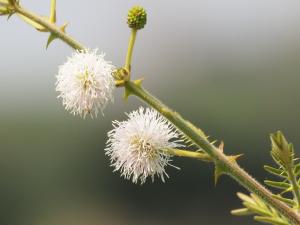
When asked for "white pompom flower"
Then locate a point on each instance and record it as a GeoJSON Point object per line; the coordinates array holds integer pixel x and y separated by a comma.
{"type": "Point", "coordinates": [136, 146]}
{"type": "Point", "coordinates": [85, 83]}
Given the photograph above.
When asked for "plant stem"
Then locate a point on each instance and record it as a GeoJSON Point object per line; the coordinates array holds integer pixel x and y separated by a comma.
{"type": "Point", "coordinates": [51, 27]}
{"type": "Point", "coordinates": [130, 49]}
{"type": "Point", "coordinates": [189, 154]}
{"type": "Point", "coordinates": [295, 185]}
{"type": "Point", "coordinates": [53, 11]}
{"type": "Point", "coordinates": [228, 166]}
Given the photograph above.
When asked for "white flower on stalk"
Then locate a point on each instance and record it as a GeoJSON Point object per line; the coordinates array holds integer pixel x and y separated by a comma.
{"type": "Point", "coordinates": [136, 146]}
{"type": "Point", "coordinates": [85, 83]}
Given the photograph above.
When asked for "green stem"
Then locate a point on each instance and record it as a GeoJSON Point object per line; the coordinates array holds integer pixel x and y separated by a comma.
{"type": "Point", "coordinates": [228, 166]}
{"type": "Point", "coordinates": [295, 185]}
{"type": "Point", "coordinates": [51, 27]}
{"type": "Point", "coordinates": [189, 154]}
{"type": "Point", "coordinates": [130, 49]}
{"type": "Point", "coordinates": [53, 11]}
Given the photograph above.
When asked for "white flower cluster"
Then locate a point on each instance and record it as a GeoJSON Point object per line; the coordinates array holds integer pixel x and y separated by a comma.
{"type": "Point", "coordinates": [85, 83]}
{"type": "Point", "coordinates": [136, 146]}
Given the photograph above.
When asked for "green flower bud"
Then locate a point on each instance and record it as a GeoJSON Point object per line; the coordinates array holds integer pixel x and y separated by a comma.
{"type": "Point", "coordinates": [282, 151]}
{"type": "Point", "coordinates": [137, 17]}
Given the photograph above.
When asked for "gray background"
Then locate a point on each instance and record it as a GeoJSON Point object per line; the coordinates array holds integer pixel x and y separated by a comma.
{"type": "Point", "coordinates": [232, 67]}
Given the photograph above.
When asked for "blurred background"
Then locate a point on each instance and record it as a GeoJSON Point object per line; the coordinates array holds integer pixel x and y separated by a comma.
{"type": "Point", "coordinates": [232, 67]}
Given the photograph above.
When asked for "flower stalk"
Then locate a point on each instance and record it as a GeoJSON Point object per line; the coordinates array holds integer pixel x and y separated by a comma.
{"type": "Point", "coordinates": [136, 20]}
{"type": "Point", "coordinates": [130, 50]}
{"type": "Point", "coordinates": [53, 11]}
{"type": "Point", "coordinates": [189, 154]}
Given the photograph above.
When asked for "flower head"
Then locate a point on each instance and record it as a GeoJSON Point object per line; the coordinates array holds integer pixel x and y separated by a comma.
{"type": "Point", "coordinates": [135, 146]}
{"type": "Point", "coordinates": [85, 83]}
{"type": "Point", "coordinates": [137, 17]}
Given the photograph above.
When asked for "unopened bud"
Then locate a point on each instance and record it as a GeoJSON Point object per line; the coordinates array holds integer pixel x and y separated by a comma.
{"type": "Point", "coordinates": [137, 17]}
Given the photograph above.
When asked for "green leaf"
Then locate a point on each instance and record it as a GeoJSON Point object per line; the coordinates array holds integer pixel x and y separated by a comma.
{"type": "Point", "coordinates": [277, 172]}
{"type": "Point", "coordinates": [286, 200]}
{"type": "Point", "coordinates": [264, 213]}
{"type": "Point", "coordinates": [258, 201]}
{"type": "Point", "coordinates": [245, 198]}
{"type": "Point", "coordinates": [288, 171]}
{"type": "Point", "coordinates": [297, 169]}
{"type": "Point", "coordinates": [284, 156]}
{"type": "Point", "coordinates": [282, 151]}
{"type": "Point", "coordinates": [256, 209]}
{"type": "Point", "coordinates": [277, 184]}
{"type": "Point", "coordinates": [241, 212]}
{"type": "Point", "coordinates": [269, 220]}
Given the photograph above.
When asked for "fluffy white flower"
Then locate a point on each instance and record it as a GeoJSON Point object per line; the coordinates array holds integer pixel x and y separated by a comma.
{"type": "Point", "coordinates": [136, 146]}
{"type": "Point", "coordinates": [85, 83]}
